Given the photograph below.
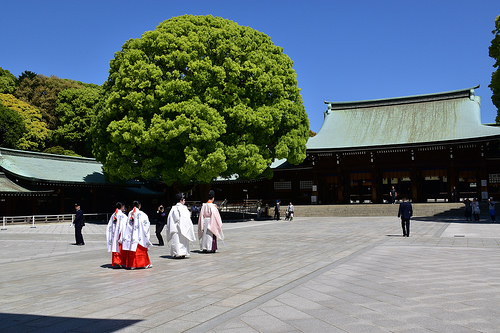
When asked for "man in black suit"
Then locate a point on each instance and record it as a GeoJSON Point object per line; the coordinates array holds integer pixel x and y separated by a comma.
{"type": "Point", "coordinates": [405, 212]}
{"type": "Point", "coordinates": [78, 223]}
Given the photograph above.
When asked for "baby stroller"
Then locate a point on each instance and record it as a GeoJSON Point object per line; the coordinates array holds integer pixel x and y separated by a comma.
{"type": "Point", "coordinates": [289, 215]}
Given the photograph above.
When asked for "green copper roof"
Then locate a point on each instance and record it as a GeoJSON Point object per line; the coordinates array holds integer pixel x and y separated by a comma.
{"type": "Point", "coordinates": [49, 167]}
{"type": "Point", "coordinates": [7, 186]}
{"type": "Point", "coordinates": [439, 117]}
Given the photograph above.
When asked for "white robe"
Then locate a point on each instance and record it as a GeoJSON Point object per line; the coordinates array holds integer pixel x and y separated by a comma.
{"type": "Point", "coordinates": [136, 231]}
{"type": "Point", "coordinates": [115, 228]}
{"type": "Point", "coordinates": [209, 226]}
{"type": "Point", "coordinates": [180, 230]}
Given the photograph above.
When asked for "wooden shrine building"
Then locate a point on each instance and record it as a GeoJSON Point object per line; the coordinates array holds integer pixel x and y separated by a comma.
{"type": "Point", "coordinates": [33, 183]}
{"type": "Point", "coordinates": [422, 145]}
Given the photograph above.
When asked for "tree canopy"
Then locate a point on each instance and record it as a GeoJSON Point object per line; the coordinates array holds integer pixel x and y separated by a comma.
{"type": "Point", "coordinates": [36, 132]}
{"type": "Point", "coordinates": [495, 77]}
{"type": "Point", "coordinates": [42, 92]}
{"type": "Point", "coordinates": [11, 127]}
{"type": "Point", "coordinates": [199, 97]}
{"type": "Point", "coordinates": [75, 111]}
{"type": "Point", "coordinates": [7, 81]}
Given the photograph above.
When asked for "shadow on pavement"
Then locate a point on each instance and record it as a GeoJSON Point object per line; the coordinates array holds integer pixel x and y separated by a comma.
{"type": "Point", "coordinates": [13, 322]}
{"type": "Point", "coordinates": [450, 219]}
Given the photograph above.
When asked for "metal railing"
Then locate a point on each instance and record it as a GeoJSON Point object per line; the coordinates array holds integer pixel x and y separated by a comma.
{"type": "Point", "coordinates": [59, 218]}
{"type": "Point", "coordinates": [244, 207]}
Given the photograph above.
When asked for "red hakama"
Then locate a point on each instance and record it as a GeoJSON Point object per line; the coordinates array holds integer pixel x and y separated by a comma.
{"type": "Point", "coordinates": [137, 259]}
{"type": "Point", "coordinates": [119, 259]}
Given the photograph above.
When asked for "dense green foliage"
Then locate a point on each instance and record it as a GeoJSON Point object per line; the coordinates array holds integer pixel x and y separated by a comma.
{"type": "Point", "coordinates": [75, 110]}
{"type": "Point", "coordinates": [58, 150]}
{"type": "Point", "coordinates": [495, 77]}
{"type": "Point", "coordinates": [26, 75]}
{"type": "Point", "coordinates": [199, 97]}
{"type": "Point", "coordinates": [36, 131]}
{"type": "Point", "coordinates": [42, 92]}
{"type": "Point", "coordinates": [11, 127]}
{"type": "Point", "coordinates": [7, 81]}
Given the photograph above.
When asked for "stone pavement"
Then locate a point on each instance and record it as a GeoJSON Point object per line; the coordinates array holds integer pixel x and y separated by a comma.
{"type": "Point", "coordinates": [316, 274]}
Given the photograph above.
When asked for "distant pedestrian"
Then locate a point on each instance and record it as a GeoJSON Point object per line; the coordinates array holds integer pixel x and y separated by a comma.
{"type": "Point", "coordinates": [277, 209]}
{"type": "Point", "coordinates": [289, 212]}
{"type": "Point", "coordinates": [161, 220]}
{"type": "Point", "coordinates": [475, 209]}
{"type": "Point", "coordinates": [259, 207]}
{"type": "Point", "coordinates": [454, 194]}
{"type": "Point", "coordinates": [393, 195]}
{"type": "Point", "coordinates": [79, 223]}
{"type": "Point", "coordinates": [491, 209]}
{"type": "Point", "coordinates": [405, 212]}
{"type": "Point", "coordinates": [468, 210]}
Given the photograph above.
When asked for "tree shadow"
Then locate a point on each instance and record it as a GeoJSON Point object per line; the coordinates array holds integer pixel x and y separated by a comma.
{"type": "Point", "coordinates": [451, 219]}
{"type": "Point", "coordinates": [13, 322]}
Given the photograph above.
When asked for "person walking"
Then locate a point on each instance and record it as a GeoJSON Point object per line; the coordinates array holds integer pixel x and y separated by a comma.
{"type": "Point", "coordinates": [405, 212]}
{"type": "Point", "coordinates": [79, 223]}
{"type": "Point", "coordinates": [277, 209]}
{"type": "Point", "coordinates": [161, 220]}
{"type": "Point", "coordinates": [114, 231]}
{"type": "Point", "coordinates": [180, 230]}
{"type": "Point", "coordinates": [289, 212]}
{"type": "Point", "coordinates": [392, 195]}
{"type": "Point", "coordinates": [136, 238]}
{"type": "Point", "coordinates": [476, 211]}
{"type": "Point", "coordinates": [209, 225]}
{"type": "Point", "coordinates": [468, 210]}
{"type": "Point", "coordinates": [491, 209]}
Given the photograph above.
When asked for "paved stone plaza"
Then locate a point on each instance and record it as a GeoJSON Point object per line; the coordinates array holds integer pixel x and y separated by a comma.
{"type": "Point", "coordinates": [327, 274]}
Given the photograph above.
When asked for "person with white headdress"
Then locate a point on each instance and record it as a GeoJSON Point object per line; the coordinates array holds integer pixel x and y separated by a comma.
{"type": "Point", "coordinates": [114, 231]}
{"type": "Point", "coordinates": [209, 225]}
{"type": "Point", "coordinates": [180, 230]}
{"type": "Point", "coordinates": [135, 238]}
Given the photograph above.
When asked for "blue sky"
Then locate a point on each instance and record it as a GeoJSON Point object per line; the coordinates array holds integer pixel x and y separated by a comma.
{"type": "Point", "coordinates": [342, 50]}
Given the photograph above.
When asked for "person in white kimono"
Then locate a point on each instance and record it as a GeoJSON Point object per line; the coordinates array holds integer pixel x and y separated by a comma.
{"type": "Point", "coordinates": [180, 230]}
{"type": "Point", "coordinates": [115, 228]}
{"type": "Point", "coordinates": [209, 225]}
{"type": "Point", "coordinates": [135, 238]}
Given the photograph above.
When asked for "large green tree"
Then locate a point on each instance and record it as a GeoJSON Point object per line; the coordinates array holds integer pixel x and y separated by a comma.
{"type": "Point", "coordinates": [11, 127]}
{"type": "Point", "coordinates": [199, 97]}
{"type": "Point", "coordinates": [495, 77]}
{"type": "Point", "coordinates": [75, 111]}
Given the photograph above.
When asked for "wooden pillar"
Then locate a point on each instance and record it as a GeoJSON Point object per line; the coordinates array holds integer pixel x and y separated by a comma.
{"type": "Point", "coordinates": [346, 187]}
{"type": "Point", "coordinates": [482, 182]}
{"type": "Point", "coordinates": [416, 185]}
{"type": "Point", "coordinates": [315, 189]}
{"type": "Point", "coordinates": [452, 182]}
